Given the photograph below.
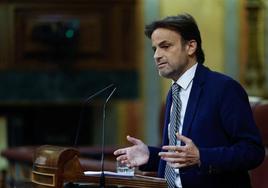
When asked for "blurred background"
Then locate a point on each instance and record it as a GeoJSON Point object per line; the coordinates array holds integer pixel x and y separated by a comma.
{"type": "Point", "coordinates": [55, 54]}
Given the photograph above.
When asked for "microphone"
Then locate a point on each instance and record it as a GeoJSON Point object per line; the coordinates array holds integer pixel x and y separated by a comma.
{"type": "Point", "coordinates": [102, 177]}
{"type": "Point", "coordinates": [83, 110]}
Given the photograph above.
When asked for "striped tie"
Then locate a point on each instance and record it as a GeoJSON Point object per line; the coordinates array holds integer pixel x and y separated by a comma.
{"type": "Point", "coordinates": [170, 174]}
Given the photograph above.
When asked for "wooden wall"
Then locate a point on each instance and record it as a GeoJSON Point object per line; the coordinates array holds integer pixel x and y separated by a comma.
{"type": "Point", "coordinates": [53, 55]}
{"type": "Point", "coordinates": [86, 43]}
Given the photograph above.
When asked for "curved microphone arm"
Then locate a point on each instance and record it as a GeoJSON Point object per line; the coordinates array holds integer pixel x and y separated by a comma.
{"type": "Point", "coordinates": [102, 178]}
{"type": "Point", "coordinates": [83, 110]}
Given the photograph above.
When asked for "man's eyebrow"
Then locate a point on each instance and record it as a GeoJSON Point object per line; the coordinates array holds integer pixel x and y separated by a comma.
{"type": "Point", "coordinates": [163, 42]}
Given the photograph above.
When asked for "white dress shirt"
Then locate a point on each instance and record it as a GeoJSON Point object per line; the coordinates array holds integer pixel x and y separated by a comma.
{"type": "Point", "coordinates": [185, 82]}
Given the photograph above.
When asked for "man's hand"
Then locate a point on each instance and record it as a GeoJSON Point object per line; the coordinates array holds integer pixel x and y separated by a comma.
{"type": "Point", "coordinates": [135, 155]}
{"type": "Point", "coordinates": [181, 156]}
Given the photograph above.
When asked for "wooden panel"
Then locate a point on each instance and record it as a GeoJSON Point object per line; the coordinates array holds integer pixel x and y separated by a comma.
{"type": "Point", "coordinates": [39, 63]}
{"type": "Point", "coordinates": [65, 36]}
{"type": "Point", "coordinates": [94, 35]}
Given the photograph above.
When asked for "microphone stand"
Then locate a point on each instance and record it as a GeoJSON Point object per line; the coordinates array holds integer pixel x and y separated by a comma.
{"type": "Point", "coordinates": [102, 176]}
{"type": "Point", "coordinates": [83, 111]}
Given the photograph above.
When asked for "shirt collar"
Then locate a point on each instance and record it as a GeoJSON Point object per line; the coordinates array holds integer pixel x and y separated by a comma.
{"type": "Point", "coordinates": [185, 79]}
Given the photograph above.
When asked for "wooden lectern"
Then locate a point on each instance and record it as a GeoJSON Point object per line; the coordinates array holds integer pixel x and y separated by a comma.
{"type": "Point", "coordinates": [53, 166]}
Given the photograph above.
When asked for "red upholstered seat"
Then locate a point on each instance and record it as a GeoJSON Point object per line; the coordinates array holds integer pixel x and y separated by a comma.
{"type": "Point", "coordinates": [259, 176]}
{"type": "Point", "coordinates": [260, 112]}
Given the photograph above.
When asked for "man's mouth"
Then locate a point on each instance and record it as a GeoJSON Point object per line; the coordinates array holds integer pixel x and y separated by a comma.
{"type": "Point", "coordinates": [161, 65]}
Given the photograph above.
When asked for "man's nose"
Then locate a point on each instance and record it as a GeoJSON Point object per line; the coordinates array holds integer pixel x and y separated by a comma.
{"type": "Point", "coordinates": [157, 55]}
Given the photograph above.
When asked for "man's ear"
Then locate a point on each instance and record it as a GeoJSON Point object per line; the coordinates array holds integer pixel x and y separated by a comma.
{"type": "Point", "coordinates": [191, 47]}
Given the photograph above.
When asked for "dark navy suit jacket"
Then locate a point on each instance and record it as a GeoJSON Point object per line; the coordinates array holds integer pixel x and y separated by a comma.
{"type": "Point", "coordinates": [219, 121]}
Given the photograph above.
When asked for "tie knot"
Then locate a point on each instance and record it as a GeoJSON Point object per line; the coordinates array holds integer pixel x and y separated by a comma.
{"type": "Point", "coordinates": [175, 89]}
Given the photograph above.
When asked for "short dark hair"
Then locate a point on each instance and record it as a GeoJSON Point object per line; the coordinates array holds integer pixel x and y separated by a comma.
{"type": "Point", "coordinates": [185, 25]}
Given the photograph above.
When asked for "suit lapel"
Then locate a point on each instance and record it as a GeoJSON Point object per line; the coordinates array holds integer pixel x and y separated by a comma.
{"type": "Point", "coordinates": [167, 114]}
{"type": "Point", "coordinates": [194, 97]}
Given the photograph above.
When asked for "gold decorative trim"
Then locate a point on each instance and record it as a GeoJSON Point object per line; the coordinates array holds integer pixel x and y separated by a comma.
{"type": "Point", "coordinates": [43, 174]}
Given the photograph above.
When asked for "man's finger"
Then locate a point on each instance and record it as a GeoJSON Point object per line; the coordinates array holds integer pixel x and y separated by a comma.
{"type": "Point", "coordinates": [133, 140]}
{"type": "Point", "coordinates": [178, 165]}
{"type": "Point", "coordinates": [184, 139]}
{"type": "Point", "coordinates": [122, 158]}
{"type": "Point", "coordinates": [167, 154]}
{"type": "Point", "coordinates": [169, 148]}
{"type": "Point", "coordinates": [174, 148]}
{"type": "Point", "coordinates": [119, 152]}
{"type": "Point", "coordinates": [175, 159]}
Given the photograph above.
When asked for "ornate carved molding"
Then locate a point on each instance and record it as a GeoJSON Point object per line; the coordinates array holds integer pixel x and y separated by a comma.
{"type": "Point", "coordinates": [254, 74]}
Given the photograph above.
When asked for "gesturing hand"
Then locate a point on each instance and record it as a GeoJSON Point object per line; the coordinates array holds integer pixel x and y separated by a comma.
{"type": "Point", "coordinates": [135, 155]}
{"type": "Point", "coordinates": [181, 156]}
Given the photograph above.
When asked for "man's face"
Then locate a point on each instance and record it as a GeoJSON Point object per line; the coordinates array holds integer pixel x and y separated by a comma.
{"type": "Point", "coordinates": [171, 57]}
